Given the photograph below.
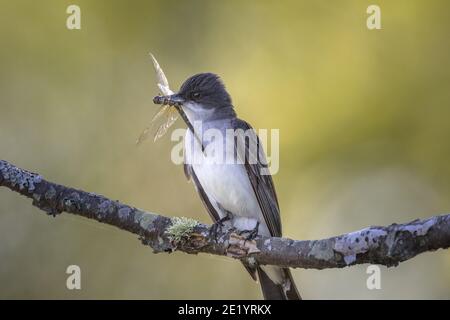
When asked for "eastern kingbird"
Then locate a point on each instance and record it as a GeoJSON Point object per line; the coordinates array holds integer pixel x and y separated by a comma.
{"type": "Point", "coordinates": [238, 191]}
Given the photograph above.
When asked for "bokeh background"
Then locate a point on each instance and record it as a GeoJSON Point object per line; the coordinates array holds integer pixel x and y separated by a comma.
{"type": "Point", "coordinates": [363, 118]}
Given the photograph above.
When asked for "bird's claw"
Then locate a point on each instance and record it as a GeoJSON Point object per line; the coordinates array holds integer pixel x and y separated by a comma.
{"type": "Point", "coordinates": [215, 229]}
{"type": "Point", "coordinates": [217, 226]}
{"type": "Point", "coordinates": [251, 234]}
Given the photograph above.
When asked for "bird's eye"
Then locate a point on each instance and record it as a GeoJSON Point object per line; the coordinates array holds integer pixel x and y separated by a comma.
{"type": "Point", "coordinates": [196, 95]}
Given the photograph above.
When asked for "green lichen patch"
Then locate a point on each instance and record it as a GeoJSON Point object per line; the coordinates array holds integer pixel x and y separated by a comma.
{"type": "Point", "coordinates": [180, 228]}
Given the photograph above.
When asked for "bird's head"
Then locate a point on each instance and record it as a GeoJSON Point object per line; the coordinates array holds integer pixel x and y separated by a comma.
{"type": "Point", "coordinates": [201, 97]}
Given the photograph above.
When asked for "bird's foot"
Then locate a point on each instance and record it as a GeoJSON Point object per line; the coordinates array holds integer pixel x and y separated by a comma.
{"type": "Point", "coordinates": [250, 234]}
{"type": "Point", "coordinates": [217, 226]}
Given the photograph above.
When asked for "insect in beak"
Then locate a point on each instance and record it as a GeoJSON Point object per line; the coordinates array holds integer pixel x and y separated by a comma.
{"type": "Point", "coordinates": [170, 104]}
{"type": "Point", "coordinates": [173, 100]}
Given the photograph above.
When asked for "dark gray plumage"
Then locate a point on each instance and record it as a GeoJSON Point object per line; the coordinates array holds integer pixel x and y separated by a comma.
{"type": "Point", "coordinates": [206, 89]}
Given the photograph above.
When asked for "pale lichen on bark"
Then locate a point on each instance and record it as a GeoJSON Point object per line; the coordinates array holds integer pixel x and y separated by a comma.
{"type": "Point", "coordinates": [181, 228]}
{"type": "Point", "coordinates": [358, 242]}
{"type": "Point", "coordinates": [21, 178]}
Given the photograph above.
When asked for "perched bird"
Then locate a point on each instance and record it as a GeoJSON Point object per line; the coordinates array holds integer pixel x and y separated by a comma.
{"type": "Point", "coordinates": [237, 191]}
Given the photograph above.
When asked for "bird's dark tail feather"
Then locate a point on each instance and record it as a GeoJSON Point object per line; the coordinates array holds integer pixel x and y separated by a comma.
{"type": "Point", "coordinates": [274, 291]}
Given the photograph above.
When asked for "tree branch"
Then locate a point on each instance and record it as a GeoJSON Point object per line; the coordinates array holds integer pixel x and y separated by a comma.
{"type": "Point", "coordinates": [377, 245]}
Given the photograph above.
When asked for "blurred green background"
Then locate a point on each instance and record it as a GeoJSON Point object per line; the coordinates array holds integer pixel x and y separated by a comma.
{"type": "Point", "coordinates": [363, 118]}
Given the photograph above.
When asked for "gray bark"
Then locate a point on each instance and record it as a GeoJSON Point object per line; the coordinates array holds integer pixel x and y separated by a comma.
{"type": "Point", "coordinates": [376, 245]}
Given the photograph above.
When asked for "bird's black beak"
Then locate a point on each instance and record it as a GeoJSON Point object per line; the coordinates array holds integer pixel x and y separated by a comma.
{"type": "Point", "coordinates": [174, 100]}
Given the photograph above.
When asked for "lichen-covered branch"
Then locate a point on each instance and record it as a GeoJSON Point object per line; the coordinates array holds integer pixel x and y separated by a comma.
{"type": "Point", "coordinates": [377, 245]}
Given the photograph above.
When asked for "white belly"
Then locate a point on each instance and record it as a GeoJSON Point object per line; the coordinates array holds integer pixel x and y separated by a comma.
{"type": "Point", "coordinates": [228, 185]}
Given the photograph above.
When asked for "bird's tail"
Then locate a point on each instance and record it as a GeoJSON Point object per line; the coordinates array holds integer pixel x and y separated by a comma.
{"type": "Point", "coordinates": [277, 283]}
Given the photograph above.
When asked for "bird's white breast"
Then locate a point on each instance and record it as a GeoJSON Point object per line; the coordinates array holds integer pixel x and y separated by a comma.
{"type": "Point", "coordinates": [226, 184]}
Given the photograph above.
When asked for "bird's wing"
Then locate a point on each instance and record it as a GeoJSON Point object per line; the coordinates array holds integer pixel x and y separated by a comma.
{"type": "Point", "coordinates": [250, 152]}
